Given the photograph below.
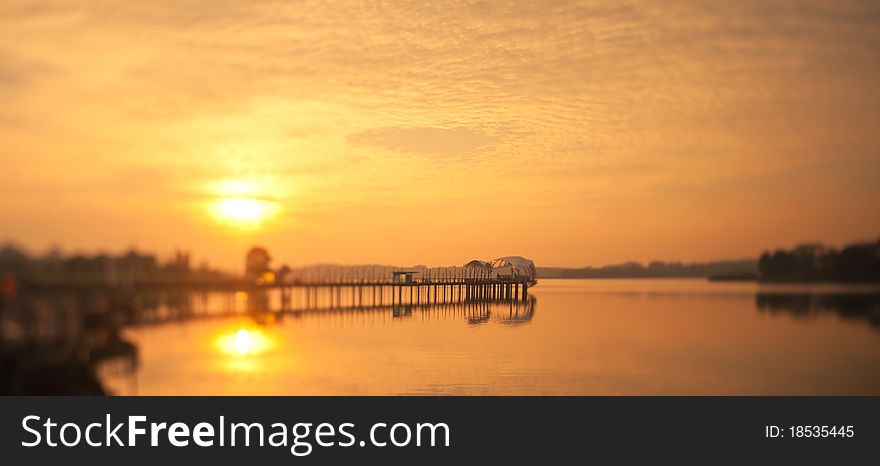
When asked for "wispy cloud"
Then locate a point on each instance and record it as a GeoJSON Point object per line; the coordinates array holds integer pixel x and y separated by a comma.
{"type": "Point", "coordinates": [448, 141]}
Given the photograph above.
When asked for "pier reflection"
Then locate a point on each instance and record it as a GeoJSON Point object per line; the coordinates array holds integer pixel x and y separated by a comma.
{"type": "Point", "coordinates": [477, 312]}
{"type": "Point", "coordinates": [67, 343]}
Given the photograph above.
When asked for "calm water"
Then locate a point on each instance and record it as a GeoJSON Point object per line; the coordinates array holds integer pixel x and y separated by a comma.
{"type": "Point", "coordinates": [619, 337]}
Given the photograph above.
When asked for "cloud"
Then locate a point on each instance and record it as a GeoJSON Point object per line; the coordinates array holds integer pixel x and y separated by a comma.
{"type": "Point", "coordinates": [17, 73]}
{"type": "Point", "coordinates": [427, 141]}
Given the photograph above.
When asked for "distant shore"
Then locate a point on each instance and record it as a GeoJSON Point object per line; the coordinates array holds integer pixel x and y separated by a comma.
{"type": "Point", "coordinates": [741, 277]}
{"type": "Point", "coordinates": [806, 263]}
{"type": "Point", "coordinates": [656, 269]}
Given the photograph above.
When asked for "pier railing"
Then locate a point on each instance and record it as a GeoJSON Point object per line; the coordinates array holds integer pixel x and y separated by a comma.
{"type": "Point", "coordinates": [413, 285]}
{"type": "Point", "coordinates": [346, 275]}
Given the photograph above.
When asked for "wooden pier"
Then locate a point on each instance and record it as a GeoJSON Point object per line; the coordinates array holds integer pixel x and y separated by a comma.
{"type": "Point", "coordinates": [306, 289]}
{"type": "Point", "coordinates": [312, 295]}
{"type": "Point", "coordinates": [317, 288]}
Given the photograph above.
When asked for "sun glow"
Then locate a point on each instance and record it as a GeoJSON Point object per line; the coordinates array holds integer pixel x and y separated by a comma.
{"type": "Point", "coordinates": [243, 212]}
{"type": "Point", "coordinates": [245, 342]}
{"type": "Point", "coordinates": [242, 341]}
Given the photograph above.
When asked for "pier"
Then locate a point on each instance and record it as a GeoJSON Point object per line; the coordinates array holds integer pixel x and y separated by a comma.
{"type": "Point", "coordinates": [399, 287]}
{"type": "Point", "coordinates": [327, 289]}
{"type": "Point", "coordinates": [504, 279]}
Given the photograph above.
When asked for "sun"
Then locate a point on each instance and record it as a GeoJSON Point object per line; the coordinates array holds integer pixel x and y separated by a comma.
{"type": "Point", "coordinates": [243, 212]}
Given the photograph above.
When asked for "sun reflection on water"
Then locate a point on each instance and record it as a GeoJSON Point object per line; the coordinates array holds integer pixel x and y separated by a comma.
{"type": "Point", "coordinates": [245, 342]}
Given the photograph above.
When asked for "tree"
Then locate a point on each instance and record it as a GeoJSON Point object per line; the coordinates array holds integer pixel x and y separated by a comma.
{"type": "Point", "coordinates": [257, 262]}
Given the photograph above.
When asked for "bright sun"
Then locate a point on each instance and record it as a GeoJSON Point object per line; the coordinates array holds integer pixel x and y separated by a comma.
{"type": "Point", "coordinates": [242, 341]}
{"type": "Point", "coordinates": [245, 342]}
{"type": "Point", "coordinates": [243, 212]}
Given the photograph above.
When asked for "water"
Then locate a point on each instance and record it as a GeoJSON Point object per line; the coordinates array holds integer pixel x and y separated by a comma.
{"type": "Point", "coordinates": [581, 337]}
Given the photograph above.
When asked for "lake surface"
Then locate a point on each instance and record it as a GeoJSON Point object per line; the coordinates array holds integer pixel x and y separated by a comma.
{"type": "Point", "coordinates": [578, 337]}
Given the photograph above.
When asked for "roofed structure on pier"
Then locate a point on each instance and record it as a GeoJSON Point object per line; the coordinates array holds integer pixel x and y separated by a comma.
{"type": "Point", "coordinates": [515, 267]}
{"type": "Point", "coordinates": [479, 265]}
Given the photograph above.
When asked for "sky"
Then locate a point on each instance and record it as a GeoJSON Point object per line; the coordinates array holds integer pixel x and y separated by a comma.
{"type": "Point", "coordinates": [572, 133]}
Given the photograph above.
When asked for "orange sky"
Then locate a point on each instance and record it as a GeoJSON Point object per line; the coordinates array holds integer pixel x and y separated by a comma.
{"type": "Point", "coordinates": [360, 132]}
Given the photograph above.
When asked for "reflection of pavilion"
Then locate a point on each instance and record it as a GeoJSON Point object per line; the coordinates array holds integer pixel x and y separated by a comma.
{"type": "Point", "coordinates": [479, 312]}
{"type": "Point", "coordinates": [401, 310]}
{"type": "Point", "coordinates": [503, 312]}
{"type": "Point", "coordinates": [519, 312]}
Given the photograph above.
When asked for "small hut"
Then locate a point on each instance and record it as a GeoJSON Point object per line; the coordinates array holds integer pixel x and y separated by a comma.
{"type": "Point", "coordinates": [403, 276]}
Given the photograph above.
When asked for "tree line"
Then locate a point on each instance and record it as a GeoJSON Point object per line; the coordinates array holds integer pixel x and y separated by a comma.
{"type": "Point", "coordinates": [656, 269]}
{"type": "Point", "coordinates": [857, 262]}
{"type": "Point", "coordinates": [130, 265]}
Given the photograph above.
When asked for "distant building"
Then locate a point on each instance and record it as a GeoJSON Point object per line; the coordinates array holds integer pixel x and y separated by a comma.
{"type": "Point", "coordinates": [179, 262]}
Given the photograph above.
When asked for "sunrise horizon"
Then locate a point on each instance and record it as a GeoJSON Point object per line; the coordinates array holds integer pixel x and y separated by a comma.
{"type": "Point", "coordinates": [235, 264]}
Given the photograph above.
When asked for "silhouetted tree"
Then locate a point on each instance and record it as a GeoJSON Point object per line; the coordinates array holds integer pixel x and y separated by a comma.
{"type": "Point", "coordinates": [813, 262]}
{"type": "Point", "coordinates": [257, 262]}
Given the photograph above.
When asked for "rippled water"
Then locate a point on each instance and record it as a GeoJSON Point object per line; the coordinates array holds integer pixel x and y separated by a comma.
{"type": "Point", "coordinates": [577, 337]}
